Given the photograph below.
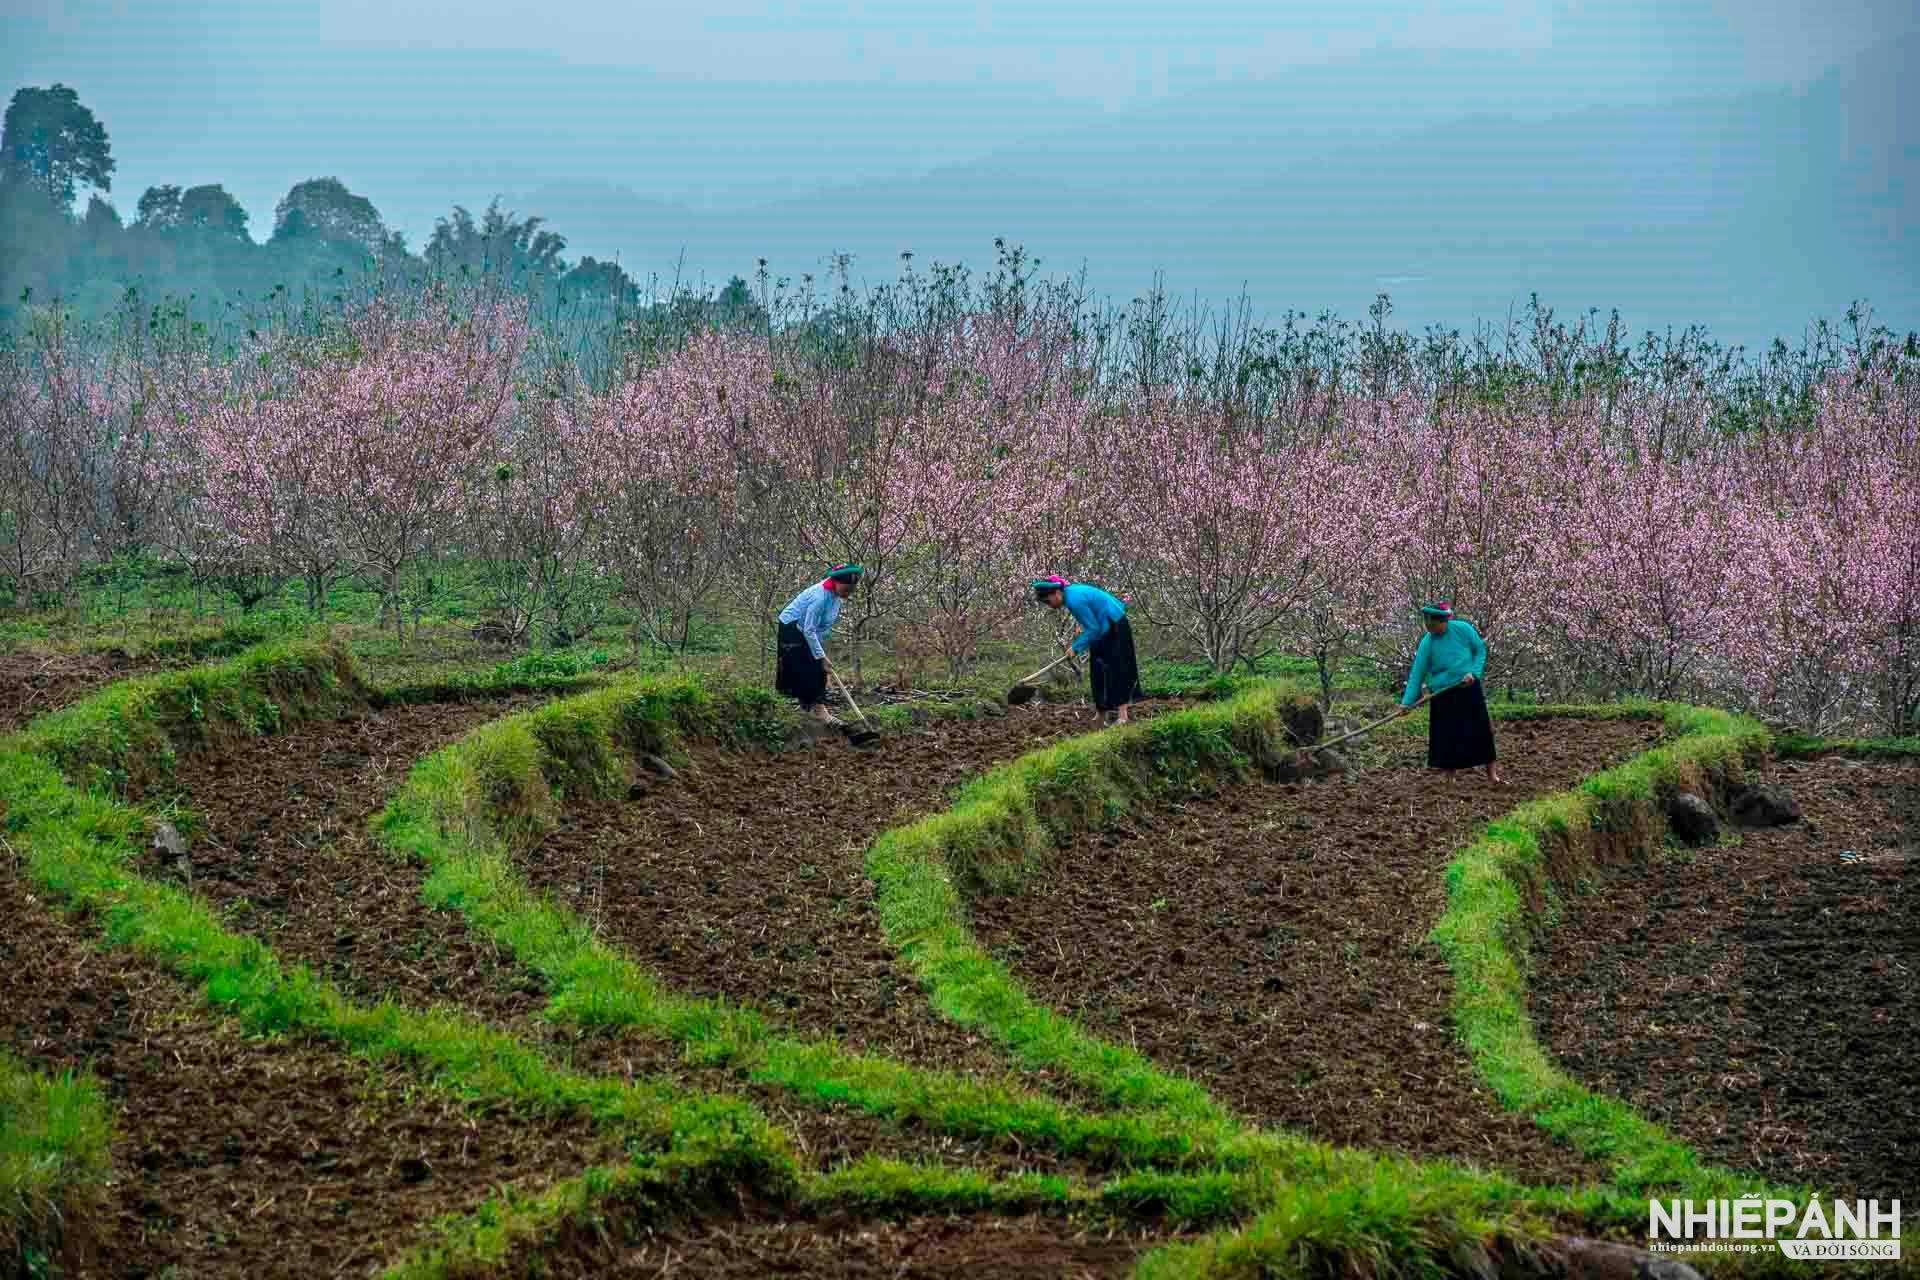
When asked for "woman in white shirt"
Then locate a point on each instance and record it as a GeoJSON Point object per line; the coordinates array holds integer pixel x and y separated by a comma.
{"type": "Point", "coordinates": [804, 626]}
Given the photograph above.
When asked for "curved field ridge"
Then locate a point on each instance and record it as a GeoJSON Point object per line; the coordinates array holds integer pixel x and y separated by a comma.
{"type": "Point", "coordinates": [1770, 973]}
{"type": "Point", "coordinates": [463, 805]}
{"type": "Point", "coordinates": [1325, 1211]}
{"type": "Point", "coordinates": [688, 1151]}
{"type": "Point", "coordinates": [1493, 886]}
{"type": "Point", "coordinates": [1005, 822]}
{"type": "Point", "coordinates": [78, 847]}
{"type": "Point", "coordinates": [1001, 828]}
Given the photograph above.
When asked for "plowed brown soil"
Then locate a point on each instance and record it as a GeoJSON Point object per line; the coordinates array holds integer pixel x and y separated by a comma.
{"type": "Point", "coordinates": [845, 1248]}
{"type": "Point", "coordinates": [281, 844]}
{"type": "Point", "coordinates": [744, 878]}
{"type": "Point", "coordinates": [1762, 999]}
{"type": "Point", "coordinates": [33, 683]}
{"type": "Point", "coordinates": [238, 1157]}
{"type": "Point", "coordinates": [1271, 942]}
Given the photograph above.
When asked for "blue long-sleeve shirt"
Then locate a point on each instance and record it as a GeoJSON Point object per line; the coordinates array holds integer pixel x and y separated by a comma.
{"type": "Point", "coordinates": [1444, 660]}
{"type": "Point", "coordinates": [1094, 610]}
{"type": "Point", "coordinates": [814, 611]}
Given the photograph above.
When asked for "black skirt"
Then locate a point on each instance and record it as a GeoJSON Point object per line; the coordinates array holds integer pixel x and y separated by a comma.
{"type": "Point", "coordinates": [1459, 730]}
{"type": "Point", "coordinates": [1115, 670]}
{"type": "Point", "coordinates": [799, 675]}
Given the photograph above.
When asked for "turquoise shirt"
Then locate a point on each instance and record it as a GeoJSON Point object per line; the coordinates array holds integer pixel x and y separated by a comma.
{"type": "Point", "coordinates": [1444, 660]}
{"type": "Point", "coordinates": [1094, 610]}
{"type": "Point", "coordinates": [815, 611]}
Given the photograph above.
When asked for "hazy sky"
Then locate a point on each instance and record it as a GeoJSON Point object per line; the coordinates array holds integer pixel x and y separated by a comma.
{"type": "Point", "coordinates": [722, 103]}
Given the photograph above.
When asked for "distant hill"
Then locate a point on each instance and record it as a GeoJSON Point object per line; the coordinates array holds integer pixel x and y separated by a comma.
{"type": "Point", "coordinates": [1757, 210]}
{"type": "Point", "coordinates": [1751, 214]}
{"type": "Point", "coordinates": [949, 215]}
{"type": "Point", "coordinates": [611, 222]}
{"type": "Point", "coordinates": [1201, 146]}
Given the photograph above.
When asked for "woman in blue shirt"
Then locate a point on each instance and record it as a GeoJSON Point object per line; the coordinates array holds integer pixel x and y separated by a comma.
{"type": "Point", "coordinates": [1105, 637]}
{"type": "Point", "coordinates": [804, 625]}
{"type": "Point", "coordinates": [1451, 660]}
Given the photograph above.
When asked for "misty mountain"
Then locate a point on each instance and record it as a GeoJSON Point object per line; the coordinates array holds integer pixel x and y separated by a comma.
{"type": "Point", "coordinates": [1733, 212]}
{"type": "Point", "coordinates": [1201, 147]}
{"type": "Point", "coordinates": [951, 215]}
{"type": "Point", "coordinates": [1751, 214]}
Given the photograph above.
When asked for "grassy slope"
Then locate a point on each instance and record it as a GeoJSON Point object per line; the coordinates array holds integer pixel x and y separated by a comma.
{"type": "Point", "coordinates": [1379, 1210]}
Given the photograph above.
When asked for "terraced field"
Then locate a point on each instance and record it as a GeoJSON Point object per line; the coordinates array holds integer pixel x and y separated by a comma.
{"type": "Point", "coordinates": [303, 978]}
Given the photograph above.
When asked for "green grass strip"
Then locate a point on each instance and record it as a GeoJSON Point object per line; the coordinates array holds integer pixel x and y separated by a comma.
{"type": "Point", "coordinates": [1391, 1210]}
{"type": "Point", "coordinates": [1000, 831]}
{"type": "Point", "coordinates": [515, 1234]}
{"type": "Point", "coordinates": [568, 672]}
{"type": "Point", "coordinates": [191, 642]}
{"type": "Point", "coordinates": [135, 729]}
{"type": "Point", "coordinates": [1801, 745]}
{"type": "Point", "coordinates": [1484, 934]}
{"type": "Point", "coordinates": [460, 808]}
{"type": "Point", "coordinates": [78, 848]}
{"type": "Point", "coordinates": [512, 1234]}
{"type": "Point", "coordinates": [1381, 1228]}
{"type": "Point", "coordinates": [54, 1162]}
{"type": "Point", "coordinates": [1004, 823]}
{"type": "Point", "coordinates": [508, 1234]}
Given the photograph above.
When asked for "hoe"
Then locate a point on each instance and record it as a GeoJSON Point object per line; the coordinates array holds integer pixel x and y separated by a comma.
{"type": "Point", "coordinates": [1024, 691]}
{"type": "Point", "coordinates": [862, 737]}
{"type": "Point", "coordinates": [1354, 733]}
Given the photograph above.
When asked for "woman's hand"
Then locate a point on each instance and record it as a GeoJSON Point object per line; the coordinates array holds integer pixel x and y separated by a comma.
{"type": "Point", "coordinates": [1467, 678]}
{"type": "Point", "coordinates": [826, 665]}
{"type": "Point", "coordinates": [1066, 647]}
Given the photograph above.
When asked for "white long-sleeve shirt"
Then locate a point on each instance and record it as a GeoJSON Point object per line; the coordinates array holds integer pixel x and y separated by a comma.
{"type": "Point", "coordinates": [814, 610]}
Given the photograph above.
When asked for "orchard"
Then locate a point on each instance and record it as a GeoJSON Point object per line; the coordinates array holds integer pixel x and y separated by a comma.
{"type": "Point", "coordinates": [1611, 535]}
{"type": "Point", "coordinates": [530, 960]}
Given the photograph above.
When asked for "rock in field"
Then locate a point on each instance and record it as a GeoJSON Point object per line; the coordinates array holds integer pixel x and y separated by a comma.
{"type": "Point", "coordinates": [1304, 723]}
{"type": "Point", "coordinates": [1331, 761]}
{"type": "Point", "coordinates": [657, 766]}
{"type": "Point", "coordinates": [1572, 1258]}
{"type": "Point", "coordinates": [168, 840]}
{"type": "Point", "coordinates": [1693, 819]}
{"type": "Point", "coordinates": [806, 732]}
{"type": "Point", "coordinates": [1765, 806]}
{"type": "Point", "coordinates": [1606, 1260]}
